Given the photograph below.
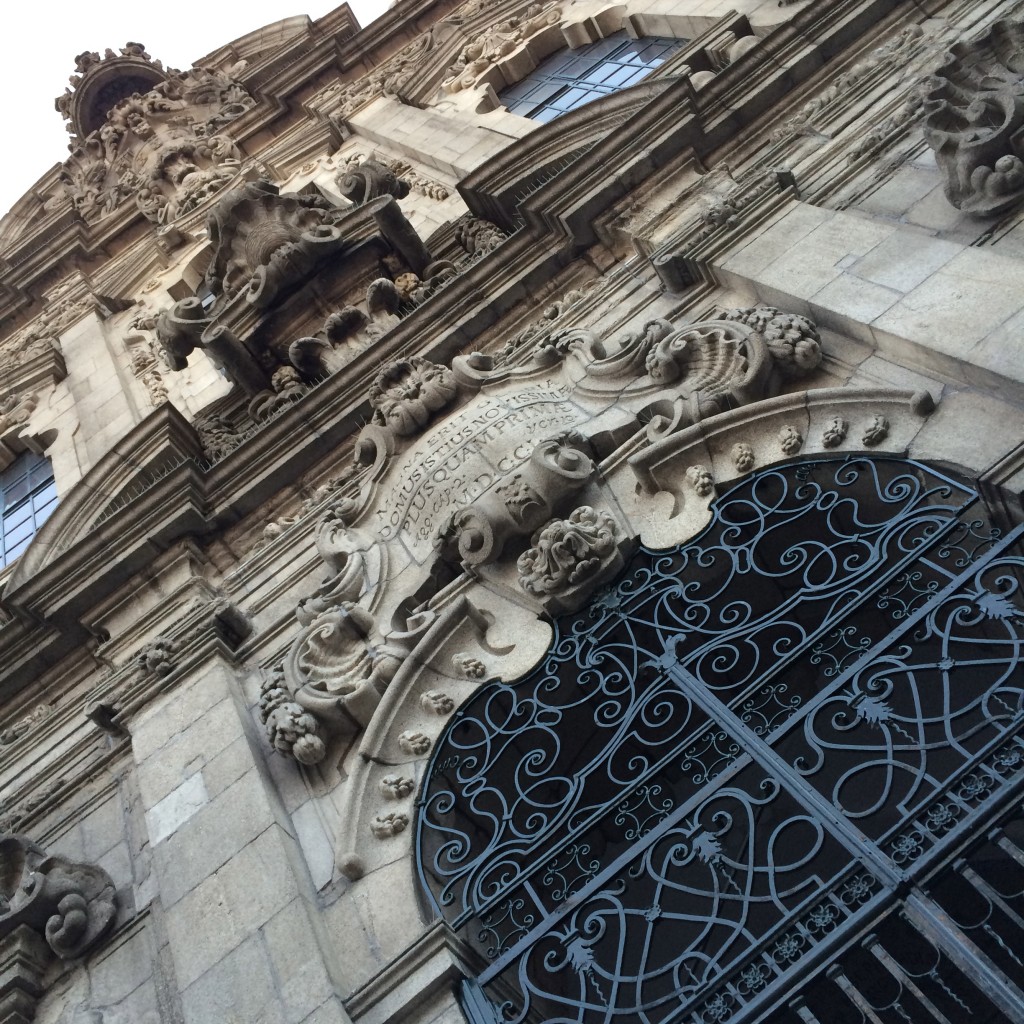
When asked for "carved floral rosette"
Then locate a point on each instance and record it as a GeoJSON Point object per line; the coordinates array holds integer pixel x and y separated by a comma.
{"type": "Point", "coordinates": [570, 557]}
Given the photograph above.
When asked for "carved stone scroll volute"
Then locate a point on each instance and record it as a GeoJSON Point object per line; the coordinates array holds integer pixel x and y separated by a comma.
{"type": "Point", "coordinates": [518, 503]}
{"type": "Point", "coordinates": [49, 906]}
{"type": "Point", "coordinates": [71, 904]}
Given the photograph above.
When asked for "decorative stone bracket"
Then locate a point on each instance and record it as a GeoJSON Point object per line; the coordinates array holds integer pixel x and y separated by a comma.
{"type": "Point", "coordinates": [974, 120]}
{"type": "Point", "coordinates": [266, 245]}
{"type": "Point", "coordinates": [49, 906]}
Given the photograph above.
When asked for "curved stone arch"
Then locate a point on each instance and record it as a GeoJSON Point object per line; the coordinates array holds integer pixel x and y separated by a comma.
{"type": "Point", "coordinates": [479, 634]}
{"type": "Point", "coordinates": [163, 440]}
{"type": "Point", "coordinates": [495, 189]}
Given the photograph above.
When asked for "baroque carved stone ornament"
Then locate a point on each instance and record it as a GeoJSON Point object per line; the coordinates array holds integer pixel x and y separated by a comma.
{"type": "Point", "coordinates": [71, 905]}
{"type": "Point", "coordinates": [267, 245]}
{"type": "Point", "coordinates": [974, 120]}
{"type": "Point", "coordinates": [149, 134]}
{"type": "Point", "coordinates": [369, 179]}
{"type": "Point", "coordinates": [467, 466]}
{"type": "Point", "coordinates": [570, 557]}
{"type": "Point", "coordinates": [496, 43]}
{"type": "Point", "coordinates": [407, 394]}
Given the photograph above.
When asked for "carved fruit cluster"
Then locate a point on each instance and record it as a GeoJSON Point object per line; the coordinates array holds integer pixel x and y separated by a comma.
{"type": "Point", "coordinates": [290, 728]}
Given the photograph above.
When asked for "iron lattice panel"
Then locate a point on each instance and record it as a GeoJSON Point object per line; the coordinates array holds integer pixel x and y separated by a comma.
{"type": "Point", "coordinates": [736, 754]}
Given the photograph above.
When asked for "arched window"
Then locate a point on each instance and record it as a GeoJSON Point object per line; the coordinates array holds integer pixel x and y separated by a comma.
{"type": "Point", "coordinates": [29, 496]}
{"type": "Point", "coordinates": [773, 774]}
{"type": "Point", "coordinates": [571, 78]}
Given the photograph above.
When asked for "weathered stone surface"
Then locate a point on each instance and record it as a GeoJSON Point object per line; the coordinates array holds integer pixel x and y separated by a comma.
{"type": "Point", "coordinates": [331, 461]}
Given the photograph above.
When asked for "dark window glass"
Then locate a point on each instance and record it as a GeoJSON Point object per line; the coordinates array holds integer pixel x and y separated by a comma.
{"type": "Point", "coordinates": [570, 79]}
{"type": "Point", "coordinates": [29, 496]}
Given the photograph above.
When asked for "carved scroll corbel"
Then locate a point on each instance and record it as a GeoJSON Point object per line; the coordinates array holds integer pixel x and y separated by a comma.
{"type": "Point", "coordinates": [974, 121]}
{"type": "Point", "coordinates": [49, 906]}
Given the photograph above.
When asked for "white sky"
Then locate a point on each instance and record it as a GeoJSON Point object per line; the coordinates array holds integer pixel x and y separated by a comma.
{"type": "Point", "coordinates": [43, 37]}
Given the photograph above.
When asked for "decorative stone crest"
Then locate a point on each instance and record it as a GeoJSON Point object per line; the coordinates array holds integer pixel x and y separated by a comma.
{"type": "Point", "coordinates": [570, 557]}
{"type": "Point", "coordinates": [149, 134]}
{"type": "Point", "coordinates": [266, 244]}
{"type": "Point", "coordinates": [264, 241]}
{"type": "Point", "coordinates": [974, 120]}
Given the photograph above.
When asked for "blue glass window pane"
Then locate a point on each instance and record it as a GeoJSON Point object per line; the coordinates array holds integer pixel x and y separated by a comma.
{"type": "Point", "coordinates": [20, 533]}
{"type": "Point", "coordinates": [29, 496]}
{"type": "Point", "coordinates": [572, 78]}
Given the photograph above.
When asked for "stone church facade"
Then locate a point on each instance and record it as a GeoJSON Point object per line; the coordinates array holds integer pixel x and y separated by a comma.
{"type": "Point", "coordinates": [513, 514]}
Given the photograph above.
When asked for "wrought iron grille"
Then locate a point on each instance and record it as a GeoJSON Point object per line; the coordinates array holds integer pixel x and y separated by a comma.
{"type": "Point", "coordinates": [750, 767]}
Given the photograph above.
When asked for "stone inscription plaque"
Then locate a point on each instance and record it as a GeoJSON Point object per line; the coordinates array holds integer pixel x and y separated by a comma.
{"type": "Point", "coordinates": [460, 457]}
